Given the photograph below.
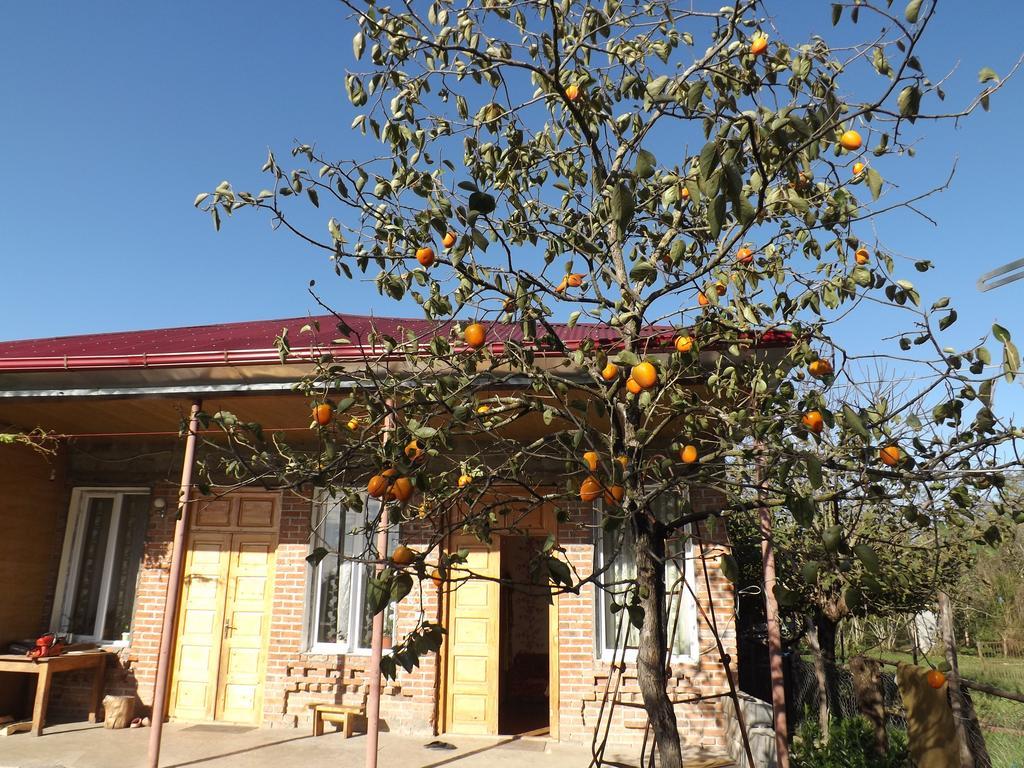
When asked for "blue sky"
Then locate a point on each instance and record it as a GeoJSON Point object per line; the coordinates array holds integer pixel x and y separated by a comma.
{"type": "Point", "coordinates": [116, 114]}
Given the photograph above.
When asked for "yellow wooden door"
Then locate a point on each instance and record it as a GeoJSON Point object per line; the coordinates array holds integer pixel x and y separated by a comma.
{"type": "Point", "coordinates": [224, 624]}
{"type": "Point", "coordinates": [194, 693]}
{"type": "Point", "coordinates": [246, 630]}
{"type": "Point", "coordinates": [471, 702]}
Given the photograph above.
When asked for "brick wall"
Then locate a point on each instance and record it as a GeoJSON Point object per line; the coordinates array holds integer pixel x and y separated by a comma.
{"type": "Point", "coordinates": [295, 678]}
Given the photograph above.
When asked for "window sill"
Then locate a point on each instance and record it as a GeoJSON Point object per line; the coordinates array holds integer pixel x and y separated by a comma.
{"type": "Point", "coordinates": [340, 650]}
{"type": "Point", "coordinates": [630, 659]}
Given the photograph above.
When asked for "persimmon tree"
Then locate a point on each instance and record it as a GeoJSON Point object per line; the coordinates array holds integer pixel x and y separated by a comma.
{"type": "Point", "coordinates": [688, 192]}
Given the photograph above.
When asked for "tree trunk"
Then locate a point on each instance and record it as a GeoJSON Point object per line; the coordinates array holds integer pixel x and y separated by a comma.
{"type": "Point", "coordinates": [826, 631]}
{"type": "Point", "coordinates": [819, 675]}
{"type": "Point", "coordinates": [867, 687]}
{"type": "Point", "coordinates": [774, 631]}
{"type": "Point", "coordinates": [651, 668]}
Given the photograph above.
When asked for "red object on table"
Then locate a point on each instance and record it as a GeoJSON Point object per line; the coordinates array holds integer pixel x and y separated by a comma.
{"type": "Point", "coordinates": [46, 646]}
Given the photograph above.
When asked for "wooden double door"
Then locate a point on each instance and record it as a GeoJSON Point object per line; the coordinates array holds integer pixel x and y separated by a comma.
{"type": "Point", "coordinates": [474, 639]}
{"type": "Point", "coordinates": [224, 621]}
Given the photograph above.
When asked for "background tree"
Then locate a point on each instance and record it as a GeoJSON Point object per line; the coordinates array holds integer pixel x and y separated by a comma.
{"type": "Point", "coordinates": [661, 170]}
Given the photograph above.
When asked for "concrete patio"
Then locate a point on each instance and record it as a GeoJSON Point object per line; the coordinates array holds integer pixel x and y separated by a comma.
{"type": "Point", "coordinates": [79, 745]}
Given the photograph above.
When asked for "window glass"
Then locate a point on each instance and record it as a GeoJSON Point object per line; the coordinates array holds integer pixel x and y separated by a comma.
{"type": "Point", "coordinates": [127, 556]}
{"type": "Point", "coordinates": [93, 550]}
{"type": "Point", "coordinates": [338, 611]}
{"type": "Point", "coordinates": [107, 534]}
{"type": "Point", "coordinates": [617, 551]}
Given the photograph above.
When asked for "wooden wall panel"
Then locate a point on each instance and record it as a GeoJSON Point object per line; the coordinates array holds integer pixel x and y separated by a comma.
{"type": "Point", "coordinates": [31, 514]}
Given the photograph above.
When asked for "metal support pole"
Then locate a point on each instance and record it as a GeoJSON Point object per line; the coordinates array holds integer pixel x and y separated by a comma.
{"type": "Point", "coordinates": [377, 637]}
{"type": "Point", "coordinates": [173, 591]}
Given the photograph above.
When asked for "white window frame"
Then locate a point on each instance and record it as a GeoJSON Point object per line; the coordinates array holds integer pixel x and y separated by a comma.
{"type": "Point", "coordinates": [321, 504]}
{"type": "Point", "coordinates": [71, 557]}
{"type": "Point", "coordinates": [687, 608]}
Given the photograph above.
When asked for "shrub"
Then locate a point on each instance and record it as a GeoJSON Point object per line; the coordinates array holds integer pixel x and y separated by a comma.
{"type": "Point", "coordinates": [851, 744]}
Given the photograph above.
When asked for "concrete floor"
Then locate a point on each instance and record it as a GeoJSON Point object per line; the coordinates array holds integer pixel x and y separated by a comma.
{"type": "Point", "coordinates": [79, 745]}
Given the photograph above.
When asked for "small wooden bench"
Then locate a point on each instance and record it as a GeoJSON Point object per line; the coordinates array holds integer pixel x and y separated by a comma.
{"type": "Point", "coordinates": [349, 718]}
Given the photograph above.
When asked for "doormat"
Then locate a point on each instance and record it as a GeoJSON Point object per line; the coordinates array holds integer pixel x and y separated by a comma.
{"type": "Point", "coordinates": [212, 728]}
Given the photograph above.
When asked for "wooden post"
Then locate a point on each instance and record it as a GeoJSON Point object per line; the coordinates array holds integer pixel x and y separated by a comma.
{"type": "Point", "coordinates": [177, 565]}
{"type": "Point", "coordinates": [956, 698]}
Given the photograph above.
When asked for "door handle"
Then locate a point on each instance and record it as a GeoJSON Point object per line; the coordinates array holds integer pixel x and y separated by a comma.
{"type": "Point", "coordinates": [228, 628]}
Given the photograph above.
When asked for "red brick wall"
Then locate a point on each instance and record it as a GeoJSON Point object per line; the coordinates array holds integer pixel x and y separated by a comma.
{"type": "Point", "coordinates": [295, 678]}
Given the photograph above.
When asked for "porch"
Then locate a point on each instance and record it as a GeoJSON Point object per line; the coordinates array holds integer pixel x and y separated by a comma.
{"type": "Point", "coordinates": [77, 745]}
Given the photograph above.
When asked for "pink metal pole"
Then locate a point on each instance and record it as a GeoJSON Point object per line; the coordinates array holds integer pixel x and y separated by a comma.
{"type": "Point", "coordinates": [377, 638]}
{"type": "Point", "coordinates": [173, 591]}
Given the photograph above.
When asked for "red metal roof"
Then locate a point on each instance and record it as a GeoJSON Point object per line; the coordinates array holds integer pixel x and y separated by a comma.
{"type": "Point", "coordinates": [252, 342]}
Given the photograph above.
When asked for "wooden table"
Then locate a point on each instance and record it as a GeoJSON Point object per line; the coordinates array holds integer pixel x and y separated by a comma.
{"type": "Point", "coordinates": [44, 670]}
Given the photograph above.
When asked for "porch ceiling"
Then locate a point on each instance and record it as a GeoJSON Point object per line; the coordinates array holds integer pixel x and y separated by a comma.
{"type": "Point", "coordinates": [153, 416]}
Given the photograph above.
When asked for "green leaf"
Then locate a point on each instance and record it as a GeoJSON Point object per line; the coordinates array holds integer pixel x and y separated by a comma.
{"type": "Point", "coordinates": [809, 572]}
{"type": "Point", "coordinates": [874, 182]}
{"type": "Point", "coordinates": [867, 556]}
{"type": "Point", "coordinates": [909, 102]}
{"type": "Point", "coordinates": [656, 86]}
{"type": "Point", "coordinates": [358, 44]}
{"type": "Point", "coordinates": [716, 216]}
{"type": "Point", "coordinates": [622, 206]}
{"type": "Point", "coordinates": [910, 13]}
{"type": "Point", "coordinates": [401, 586]}
{"type": "Point", "coordinates": [481, 202]}
{"type": "Point", "coordinates": [378, 589]}
{"type": "Point", "coordinates": [802, 508]}
{"type": "Point", "coordinates": [478, 238]}
{"type": "Point", "coordinates": [832, 538]}
{"type": "Point", "coordinates": [853, 422]}
{"type": "Point", "coordinates": [948, 320]}
{"type": "Point", "coordinates": [813, 471]}
{"type": "Point", "coordinates": [636, 615]}
{"type": "Point", "coordinates": [861, 276]}
{"type": "Point", "coordinates": [199, 198]}
{"type": "Point", "coordinates": [837, 13]}
{"type": "Point", "coordinates": [987, 74]}
{"type": "Point", "coordinates": [315, 557]}
{"type": "Point", "coordinates": [1000, 333]}
{"type": "Point", "coordinates": [1011, 360]}
{"type": "Point", "coordinates": [645, 162]}
{"type": "Point", "coordinates": [708, 159]}
{"type": "Point", "coordinates": [730, 568]}
{"type": "Point", "coordinates": [643, 272]}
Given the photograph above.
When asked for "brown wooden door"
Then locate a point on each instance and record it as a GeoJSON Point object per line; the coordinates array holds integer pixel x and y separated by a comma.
{"type": "Point", "coordinates": [223, 633]}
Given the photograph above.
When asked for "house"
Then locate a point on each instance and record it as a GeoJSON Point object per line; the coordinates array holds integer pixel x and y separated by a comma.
{"type": "Point", "coordinates": [262, 634]}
